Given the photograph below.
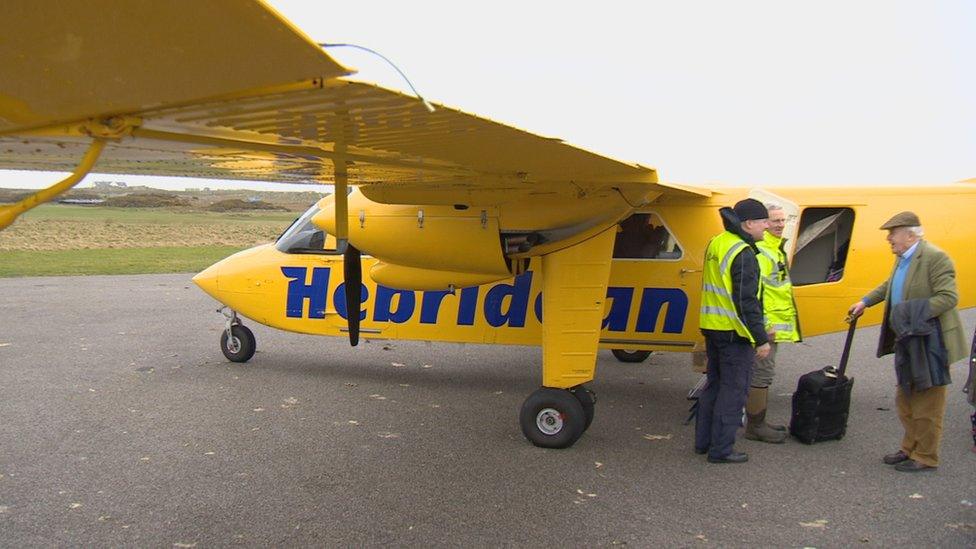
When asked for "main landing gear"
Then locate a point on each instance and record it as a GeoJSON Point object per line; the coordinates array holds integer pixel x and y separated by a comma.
{"type": "Point", "coordinates": [556, 418]}
{"type": "Point", "coordinates": [237, 340]}
{"type": "Point", "coordinates": [630, 356]}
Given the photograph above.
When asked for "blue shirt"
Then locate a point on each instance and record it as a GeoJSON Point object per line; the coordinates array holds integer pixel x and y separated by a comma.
{"type": "Point", "coordinates": [898, 280]}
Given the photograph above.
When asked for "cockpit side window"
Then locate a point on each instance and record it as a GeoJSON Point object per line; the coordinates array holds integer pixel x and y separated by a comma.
{"type": "Point", "coordinates": [645, 236]}
{"type": "Point", "coordinates": [304, 237]}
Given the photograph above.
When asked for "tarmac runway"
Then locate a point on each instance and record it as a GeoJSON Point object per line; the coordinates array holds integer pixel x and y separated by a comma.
{"type": "Point", "coordinates": [121, 424]}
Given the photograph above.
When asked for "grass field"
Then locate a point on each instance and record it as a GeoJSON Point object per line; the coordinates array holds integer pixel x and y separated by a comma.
{"type": "Point", "coordinates": [74, 240]}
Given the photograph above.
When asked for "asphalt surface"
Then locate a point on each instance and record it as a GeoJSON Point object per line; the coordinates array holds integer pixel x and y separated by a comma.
{"type": "Point", "coordinates": [121, 424]}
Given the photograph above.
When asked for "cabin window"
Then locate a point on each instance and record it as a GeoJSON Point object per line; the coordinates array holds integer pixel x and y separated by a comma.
{"type": "Point", "coordinates": [645, 236]}
{"type": "Point", "coordinates": [303, 237]}
{"type": "Point", "coordinates": [820, 252]}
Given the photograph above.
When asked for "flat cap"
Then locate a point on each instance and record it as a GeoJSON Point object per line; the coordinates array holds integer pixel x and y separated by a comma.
{"type": "Point", "coordinates": [902, 219]}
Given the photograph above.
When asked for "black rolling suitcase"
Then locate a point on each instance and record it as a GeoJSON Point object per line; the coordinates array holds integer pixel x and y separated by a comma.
{"type": "Point", "coordinates": [822, 400]}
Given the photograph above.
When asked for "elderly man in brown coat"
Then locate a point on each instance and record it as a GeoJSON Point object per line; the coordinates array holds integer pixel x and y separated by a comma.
{"type": "Point", "coordinates": [922, 272]}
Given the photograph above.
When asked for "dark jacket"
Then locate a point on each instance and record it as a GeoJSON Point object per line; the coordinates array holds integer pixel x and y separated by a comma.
{"type": "Point", "coordinates": [921, 359]}
{"type": "Point", "coordinates": [745, 283]}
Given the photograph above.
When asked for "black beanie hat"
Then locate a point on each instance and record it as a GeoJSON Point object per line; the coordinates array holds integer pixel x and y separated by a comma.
{"type": "Point", "coordinates": [750, 208]}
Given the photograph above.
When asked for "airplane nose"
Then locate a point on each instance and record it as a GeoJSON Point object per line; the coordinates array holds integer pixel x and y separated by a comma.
{"type": "Point", "coordinates": [207, 279]}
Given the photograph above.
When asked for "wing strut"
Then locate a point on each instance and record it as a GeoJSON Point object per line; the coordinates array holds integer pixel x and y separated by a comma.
{"type": "Point", "coordinates": [9, 213]}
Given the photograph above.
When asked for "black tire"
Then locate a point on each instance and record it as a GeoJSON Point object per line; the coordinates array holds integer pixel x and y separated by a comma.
{"type": "Point", "coordinates": [242, 345]}
{"type": "Point", "coordinates": [552, 418]}
{"type": "Point", "coordinates": [587, 399]}
{"type": "Point", "coordinates": [630, 356]}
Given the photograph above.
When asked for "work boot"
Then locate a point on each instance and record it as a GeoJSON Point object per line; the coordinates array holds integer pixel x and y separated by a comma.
{"type": "Point", "coordinates": [756, 405]}
{"type": "Point", "coordinates": [757, 429]}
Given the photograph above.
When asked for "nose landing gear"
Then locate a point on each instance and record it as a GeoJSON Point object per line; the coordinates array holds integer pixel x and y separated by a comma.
{"type": "Point", "coordinates": [237, 341]}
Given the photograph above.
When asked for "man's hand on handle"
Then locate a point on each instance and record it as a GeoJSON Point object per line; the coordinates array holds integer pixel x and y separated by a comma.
{"type": "Point", "coordinates": [857, 309]}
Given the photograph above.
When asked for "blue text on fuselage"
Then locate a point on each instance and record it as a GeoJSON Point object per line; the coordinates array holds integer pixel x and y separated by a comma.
{"type": "Point", "coordinates": [496, 311]}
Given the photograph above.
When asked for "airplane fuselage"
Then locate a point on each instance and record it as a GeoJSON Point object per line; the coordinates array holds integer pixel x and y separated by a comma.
{"type": "Point", "coordinates": [306, 294]}
{"type": "Point", "coordinates": [652, 301]}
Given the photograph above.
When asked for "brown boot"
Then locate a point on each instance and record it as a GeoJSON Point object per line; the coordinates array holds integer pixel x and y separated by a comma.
{"type": "Point", "coordinates": [763, 393]}
{"type": "Point", "coordinates": [756, 404]}
{"type": "Point", "coordinates": [757, 429]}
{"type": "Point", "coordinates": [756, 426]}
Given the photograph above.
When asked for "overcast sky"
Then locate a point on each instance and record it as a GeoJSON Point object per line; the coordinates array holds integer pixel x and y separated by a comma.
{"type": "Point", "coordinates": [746, 92]}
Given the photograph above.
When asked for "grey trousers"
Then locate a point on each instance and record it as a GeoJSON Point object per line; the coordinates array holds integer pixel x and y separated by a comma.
{"type": "Point", "coordinates": [762, 369]}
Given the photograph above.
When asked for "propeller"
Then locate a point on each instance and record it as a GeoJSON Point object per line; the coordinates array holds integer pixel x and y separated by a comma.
{"type": "Point", "coordinates": [352, 269]}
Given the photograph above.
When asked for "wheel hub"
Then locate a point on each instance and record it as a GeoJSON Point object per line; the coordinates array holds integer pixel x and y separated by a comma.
{"type": "Point", "coordinates": [549, 421]}
{"type": "Point", "coordinates": [234, 345]}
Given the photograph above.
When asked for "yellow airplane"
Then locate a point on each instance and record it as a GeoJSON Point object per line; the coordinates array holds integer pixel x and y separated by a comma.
{"type": "Point", "coordinates": [444, 226]}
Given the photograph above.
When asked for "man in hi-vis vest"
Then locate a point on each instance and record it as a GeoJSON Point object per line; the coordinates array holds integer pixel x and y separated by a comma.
{"type": "Point", "coordinates": [731, 319]}
{"type": "Point", "coordinates": [782, 325]}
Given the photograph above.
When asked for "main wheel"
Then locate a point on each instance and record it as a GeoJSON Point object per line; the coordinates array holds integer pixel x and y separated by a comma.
{"type": "Point", "coordinates": [630, 356]}
{"type": "Point", "coordinates": [552, 418]}
{"type": "Point", "coordinates": [587, 399]}
{"type": "Point", "coordinates": [240, 346]}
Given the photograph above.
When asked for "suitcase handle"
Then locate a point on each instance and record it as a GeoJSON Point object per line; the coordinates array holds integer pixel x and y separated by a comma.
{"type": "Point", "coordinates": [847, 346]}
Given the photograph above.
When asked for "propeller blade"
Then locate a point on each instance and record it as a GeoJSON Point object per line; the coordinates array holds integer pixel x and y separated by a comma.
{"type": "Point", "coordinates": [352, 269]}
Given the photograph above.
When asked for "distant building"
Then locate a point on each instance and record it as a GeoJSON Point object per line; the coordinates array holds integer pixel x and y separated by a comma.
{"type": "Point", "coordinates": [102, 185]}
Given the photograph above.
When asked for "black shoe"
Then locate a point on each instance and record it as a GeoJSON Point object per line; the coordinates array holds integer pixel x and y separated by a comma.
{"type": "Point", "coordinates": [912, 466]}
{"type": "Point", "coordinates": [701, 451]}
{"type": "Point", "coordinates": [897, 457]}
{"type": "Point", "coordinates": [734, 457]}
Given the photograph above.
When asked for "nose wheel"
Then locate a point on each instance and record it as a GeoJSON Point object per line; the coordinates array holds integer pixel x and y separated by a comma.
{"type": "Point", "coordinates": [556, 418]}
{"type": "Point", "coordinates": [237, 340]}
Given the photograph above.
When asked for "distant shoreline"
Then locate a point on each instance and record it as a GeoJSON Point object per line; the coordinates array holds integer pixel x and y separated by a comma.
{"type": "Point", "coordinates": [33, 180]}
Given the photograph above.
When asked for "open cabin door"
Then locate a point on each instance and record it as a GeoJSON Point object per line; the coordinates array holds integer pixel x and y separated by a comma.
{"type": "Point", "coordinates": [820, 253]}
{"type": "Point", "coordinates": [654, 287]}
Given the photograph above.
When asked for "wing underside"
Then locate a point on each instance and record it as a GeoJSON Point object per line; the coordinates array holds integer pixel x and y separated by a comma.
{"type": "Point", "coordinates": [295, 121]}
{"type": "Point", "coordinates": [295, 136]}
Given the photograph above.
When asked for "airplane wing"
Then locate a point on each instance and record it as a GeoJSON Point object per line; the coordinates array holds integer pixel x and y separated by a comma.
{"type": "Point", "coordinates": [293, 135]}
{"type": "Point", "coordinates": [229, 89]}
{"type": "Point", "coordinates": [68, 61]}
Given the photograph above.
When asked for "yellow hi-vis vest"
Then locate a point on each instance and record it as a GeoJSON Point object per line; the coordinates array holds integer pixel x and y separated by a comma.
{"type": "Point", "coordinates": [717, 308]}
{"type": "Point", "coordinates": [779, 308]}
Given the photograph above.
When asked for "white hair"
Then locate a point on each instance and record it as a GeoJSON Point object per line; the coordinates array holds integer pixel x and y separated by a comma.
{"type": "Point", "coordinates": [917, 231]}
{"type": "Point", "coordinates": [770, 206]}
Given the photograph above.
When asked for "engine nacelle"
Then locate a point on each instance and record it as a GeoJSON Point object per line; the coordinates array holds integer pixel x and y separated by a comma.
{"type": "Point", "coordinates": [455, 240]}
{"type": "Point", "coordinates": [411, 278]}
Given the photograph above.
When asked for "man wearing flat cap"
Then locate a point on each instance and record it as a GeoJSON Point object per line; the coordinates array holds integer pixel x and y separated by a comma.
{"type": "Point", "coordinates": [731, 319]}
{"type": "Point", "coordinates": [922, 327]}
